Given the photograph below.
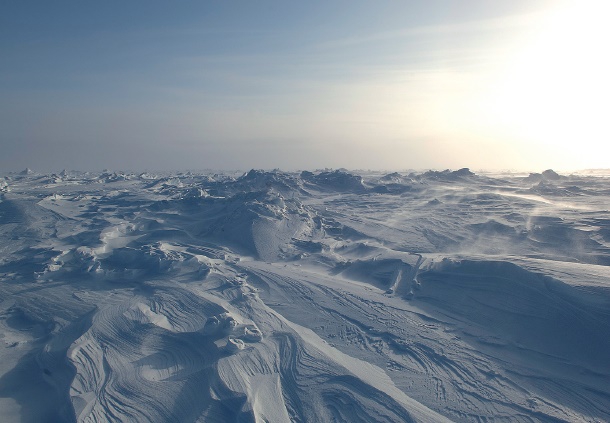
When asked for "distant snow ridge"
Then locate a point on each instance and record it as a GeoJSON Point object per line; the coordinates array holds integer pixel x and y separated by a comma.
{"type": "Point", "coordinates": [337, 180]}
{"type": "Point", "coordinates": [326, 296]}
{"type": "Point", "coordinates": [447, 175]}
{"type": "Point", "coordinates": [547, 175]}
{"type": "Point", "coordinates": [26, 172]}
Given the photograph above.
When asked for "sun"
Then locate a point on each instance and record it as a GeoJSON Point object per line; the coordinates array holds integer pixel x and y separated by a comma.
{"type": "Point", "coordinates": [555, 91]}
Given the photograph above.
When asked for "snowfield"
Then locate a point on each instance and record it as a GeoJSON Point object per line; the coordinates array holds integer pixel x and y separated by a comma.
{"type": "Point", "coordinates": [327, 296]}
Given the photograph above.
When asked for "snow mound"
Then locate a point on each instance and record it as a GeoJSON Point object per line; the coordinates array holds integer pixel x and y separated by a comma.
{"type": "Point", "coordinates": [547, 175]}
{"type": "Point", "coordinates": [337, 180]}
{"type": "Point", "coordinates": [529, 310]}
{"type": "Point", "coordinates": [26, 172]}
{"type": "Point", "coordinates": [447, 175]}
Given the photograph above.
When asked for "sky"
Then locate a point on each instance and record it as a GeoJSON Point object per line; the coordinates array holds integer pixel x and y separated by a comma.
{"type": "Point", "coordinates": [159, 85]}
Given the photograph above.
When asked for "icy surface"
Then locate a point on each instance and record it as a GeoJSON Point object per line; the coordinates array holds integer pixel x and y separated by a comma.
{"type": "Point", "coordinates": [313, 296]}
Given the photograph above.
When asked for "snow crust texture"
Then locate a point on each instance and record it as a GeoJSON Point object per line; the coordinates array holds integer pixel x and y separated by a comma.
{"type": "Point", "coordinates": [327, 296]}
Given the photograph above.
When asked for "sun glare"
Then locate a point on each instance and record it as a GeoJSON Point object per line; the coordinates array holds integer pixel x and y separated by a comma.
{"type": "Point", "coordinates": [555, 92]}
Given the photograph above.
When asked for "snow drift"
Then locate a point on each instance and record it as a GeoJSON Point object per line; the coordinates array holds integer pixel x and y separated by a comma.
{"type": "Point", "coordinates": [312, 296]}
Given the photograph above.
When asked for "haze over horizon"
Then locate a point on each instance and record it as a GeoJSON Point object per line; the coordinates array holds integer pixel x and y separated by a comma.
{"type": "Point", "coordinates": [235, 85]}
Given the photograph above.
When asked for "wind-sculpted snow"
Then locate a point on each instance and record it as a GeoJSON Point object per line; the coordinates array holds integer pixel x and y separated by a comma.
{"type": "Point", "coordinates": [307, 297]}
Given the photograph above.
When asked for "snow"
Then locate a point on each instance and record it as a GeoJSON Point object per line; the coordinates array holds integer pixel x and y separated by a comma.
{"type": "Point", "coordinates": [311, 296]}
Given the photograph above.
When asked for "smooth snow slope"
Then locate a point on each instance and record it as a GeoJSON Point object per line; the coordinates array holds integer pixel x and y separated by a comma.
{"type": "Point", "coordinates": [317, 296]}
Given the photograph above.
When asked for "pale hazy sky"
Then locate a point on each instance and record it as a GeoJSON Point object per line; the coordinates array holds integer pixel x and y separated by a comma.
{"type": "Point", "coordinates": [134, 85]}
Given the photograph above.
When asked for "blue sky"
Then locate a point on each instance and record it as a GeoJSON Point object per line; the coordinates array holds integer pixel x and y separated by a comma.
{"type": "Point", "coordinates": [237, 85]}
